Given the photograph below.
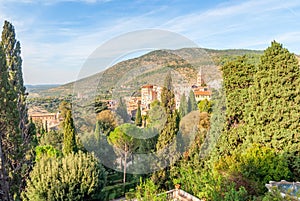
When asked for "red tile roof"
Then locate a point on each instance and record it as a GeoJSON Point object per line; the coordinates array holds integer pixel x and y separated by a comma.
{"type": "Point", "coordinates": [203, 93]}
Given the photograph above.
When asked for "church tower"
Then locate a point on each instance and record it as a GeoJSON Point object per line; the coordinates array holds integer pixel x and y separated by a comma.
{"type": "Point", "coordinates": [200, 80]}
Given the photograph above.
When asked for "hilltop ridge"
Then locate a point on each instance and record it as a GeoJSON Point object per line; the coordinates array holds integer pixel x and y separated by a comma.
{"type": "Point", "coordinates": [186, 62]}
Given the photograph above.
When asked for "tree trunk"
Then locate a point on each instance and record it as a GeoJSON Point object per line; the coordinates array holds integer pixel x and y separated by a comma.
{"type": "Point", "coordinates": [125, 165]}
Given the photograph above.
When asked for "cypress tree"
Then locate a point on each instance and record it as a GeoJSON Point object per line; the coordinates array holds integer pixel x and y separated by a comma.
{"type": "Point", "coordinates": [192, 103]}
{"type": "Point", "coordinates": [46, 126]}
{"type": "Point", "coordinates": [122, 111]}
{"type": "Point", "coordinates": [32, 132]}
{"type": "Point", "coordinates": [97, 129]}
{"type": "Point", "coordinates": [5, 94]}
{"type": "Point", "coordinates": [138, 117]}
{"type": "Point", "coordinates": [15, 140]}
{"type": "Point", "coordinates": [12, 50]}
{"type": "Point", "coordinates": [69, 142]}
{"type": "Point", "coordinates": [183, 107]}
{"type": "Point", "coordinates": [171, 127]}
{"type": "Point", "coordinates": [166, 143]}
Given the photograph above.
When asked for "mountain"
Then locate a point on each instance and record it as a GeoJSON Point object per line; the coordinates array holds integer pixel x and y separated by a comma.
{"type": "Point", "coordinates": [151, 69]}
{"type": "Point", "coordinates": [34, 90]}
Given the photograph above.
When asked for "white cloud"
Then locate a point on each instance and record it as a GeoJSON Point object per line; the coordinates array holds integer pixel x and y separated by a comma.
{"type": "Point", "coordinates": [232, 24]}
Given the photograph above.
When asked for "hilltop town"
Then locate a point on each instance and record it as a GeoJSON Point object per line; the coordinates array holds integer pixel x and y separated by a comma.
{"type": "Point", "coordinates": [148, 94]}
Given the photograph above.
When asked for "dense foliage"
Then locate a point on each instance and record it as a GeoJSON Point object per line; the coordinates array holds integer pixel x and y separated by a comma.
{"type": "Point", "coordinates": [262, 103]}
{"type": "Point", "coordinates": [259, 142]}
{"type": "Point", "coordinates": [15, 140]}
{"type": "Point", "coordinates": [73, 177]}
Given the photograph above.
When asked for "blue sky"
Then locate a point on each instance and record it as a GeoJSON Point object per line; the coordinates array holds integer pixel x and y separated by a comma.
{"type": "Point", "coordinates": [57, 36]}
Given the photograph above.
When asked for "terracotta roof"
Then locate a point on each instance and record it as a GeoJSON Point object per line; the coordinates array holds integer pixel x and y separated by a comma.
{"type": "Point", "coordinates": [203, 93]}
{"type": "Point", "coordinates": [147, 86]}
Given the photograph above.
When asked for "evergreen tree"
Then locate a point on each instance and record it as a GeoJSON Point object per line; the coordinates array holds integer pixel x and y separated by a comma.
{"type": "Point", "coordinates": [274, 106]}
{"type": "Point", "coordinates": [168, 103]}
{"type": "Point", "coordinates": [6, 93]}
{"type": "Point", "coordinates": [138, 117]}
{"type": "Point", "coordinates": [32, 133]}
{"type": "Point", "coordinates": [12, 50]}
{"type": "Point", "coordinates": [46, 126]}
{"type": "Point", "coordinates": [97, 129]}
{"type": "Point", "coordinates": [63, 108]}
{"type": "Point", "coordinates": [238, 77]}
{"type": "Point", "coordinates": [183, 107]}
{"type": "Point", "coordinates": [69, 142]}
{"type": "Point", "coordinates": [122, 111]}
{"type": "Point", "coordinates": [15, 139]}
{"type": "Point", "coordinates": [166, 143]}
{"type": "Point", "coordinates": [262, 109]}
{"type": "Point", "coordinates": [121, 138]}
{"type": "Point", "coordinates": [192, 103]}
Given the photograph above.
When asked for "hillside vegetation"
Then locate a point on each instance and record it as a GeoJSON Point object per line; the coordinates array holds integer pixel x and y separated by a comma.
{"type": "Point", "coordinates": [186, 62]}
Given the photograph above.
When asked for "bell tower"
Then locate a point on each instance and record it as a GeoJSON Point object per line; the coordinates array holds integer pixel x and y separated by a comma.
{"type": "Point", "coordinates": [200, 80]}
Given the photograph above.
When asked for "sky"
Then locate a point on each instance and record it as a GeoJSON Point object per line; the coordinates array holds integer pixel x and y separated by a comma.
{"type": "Point", "coordinates": [57, 36]}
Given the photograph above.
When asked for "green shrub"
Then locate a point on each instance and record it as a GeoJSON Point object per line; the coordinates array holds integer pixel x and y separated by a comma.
{"type": "Point", "coordinates": [46, 151]}
{"type": "Point", "coordinates": [73, 177]}
{"type": "Point", "coordinates": [257, 164]}
{"type": "Point", "coordinates": [147, 190]}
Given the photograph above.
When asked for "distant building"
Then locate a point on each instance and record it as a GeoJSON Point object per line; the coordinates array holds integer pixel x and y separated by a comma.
{"type": "Point", "coordinates": [200, 79]}
{"type": "Point", "coordinates": [52, 119]}
{"type": "Point", "coordinates": [150, 93]}
{"type": "Point", "coordinates": [111, 104]}
{"type": "Point", "coordinates": [201, 95]}
{"type": "Point", "coordinates": [201, 90]}
{"type": "Point", "coordinates": [132, 105]}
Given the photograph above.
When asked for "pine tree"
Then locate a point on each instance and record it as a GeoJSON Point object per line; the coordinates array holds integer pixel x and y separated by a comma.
{"type": "Point", "coordinates": [183, 107]}
{"type": "Point", "coordinates": [138, 117]}
{"type": "Point", "coordinates": [69, 142]}
{"type": "Point", "coordinates": [122, 139]}
{"type": "Point", "coordinates": [192, 103]}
